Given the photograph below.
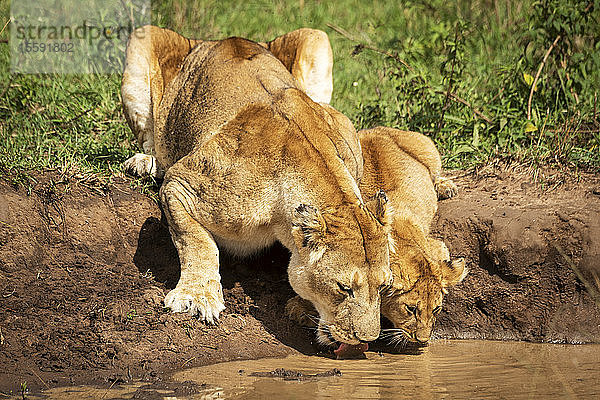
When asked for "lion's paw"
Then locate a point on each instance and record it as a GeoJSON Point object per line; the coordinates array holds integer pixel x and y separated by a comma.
{"type": "Point", "coordinates": [143, 165]}
{"type": "Point", "coordinates": [203, 300]}
{"type": "Point", "coordinates": [302, 311]}
{"type": "Point", "coordinates": [445, 188]}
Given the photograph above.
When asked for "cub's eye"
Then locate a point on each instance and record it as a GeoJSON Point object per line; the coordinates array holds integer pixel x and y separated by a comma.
{"type": "Point", "coordinates": [346, 289]}
{"type": "Point", "coordinates": [411, 309]}
{"type": "Point", "coordinates": [437, 310]}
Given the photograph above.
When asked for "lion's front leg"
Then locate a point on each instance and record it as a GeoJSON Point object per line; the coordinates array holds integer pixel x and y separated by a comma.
{"type": "Point", "coordinates": [445, 188]}
{"type": "Point", "coordinates": [199, 288]}
{"type": "Point", "coordinates": [143, 166]}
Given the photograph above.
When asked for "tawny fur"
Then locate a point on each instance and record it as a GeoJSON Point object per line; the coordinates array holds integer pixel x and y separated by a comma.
{"type": "Point", "coordinates": [251, 159]}
{"type": "Point", "coordinates": [155, 55]}
{"type": "Point", "coordinates": [307, 54]}
{"type": "Point", "coordinates": [407, 166]}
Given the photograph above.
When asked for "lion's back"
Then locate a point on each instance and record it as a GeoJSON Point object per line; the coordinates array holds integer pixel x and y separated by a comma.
{"type": "Point", "coordinates": [403, 165]}
{"type": "Point", "coordinates": [216, 81]}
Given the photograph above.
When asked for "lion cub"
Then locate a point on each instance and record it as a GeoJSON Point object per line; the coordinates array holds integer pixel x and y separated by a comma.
{"type": "Point", "coordinates": [407, 166]}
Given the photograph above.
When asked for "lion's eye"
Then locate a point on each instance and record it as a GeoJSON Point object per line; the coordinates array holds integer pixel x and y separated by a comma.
{"type": "Point", "coordinates": [437, 310]}
{"type": "Point", "coordinates": [346, 289]}
{"type": "Point", "coordinates": [411, 309]}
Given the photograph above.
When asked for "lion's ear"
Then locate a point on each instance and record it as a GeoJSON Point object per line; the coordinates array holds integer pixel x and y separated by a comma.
{"type": "Point", "coordinates": [380, 208]}
{"type": "Point", "coordinates": [453, 272]}
{"type": "Point", "coordinates": [308, 228]}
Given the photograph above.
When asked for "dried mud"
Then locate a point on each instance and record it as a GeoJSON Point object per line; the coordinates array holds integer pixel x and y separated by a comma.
{"type": "Point", "coordinates": [83, 274]}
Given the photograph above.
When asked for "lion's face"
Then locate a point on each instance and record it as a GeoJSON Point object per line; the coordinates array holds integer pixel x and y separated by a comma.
{"type": "Point", "coordinates": [421, 280]}
{"type": "Point", "coordinates": [414, 312]}
{"type": "Point", "coordinates": [342, 269]}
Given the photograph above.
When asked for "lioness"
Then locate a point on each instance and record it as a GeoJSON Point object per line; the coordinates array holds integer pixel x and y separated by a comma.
{"type": "Point", "coordinates": [155, 55]}
{"type": "Point", "coordinates": [407, 166]}
{"type": "Point", "coordinates": [251, 159]}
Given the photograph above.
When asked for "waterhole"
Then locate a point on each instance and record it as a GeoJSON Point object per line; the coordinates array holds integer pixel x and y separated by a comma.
{"type": "Point", "coordinates": [444, 369]}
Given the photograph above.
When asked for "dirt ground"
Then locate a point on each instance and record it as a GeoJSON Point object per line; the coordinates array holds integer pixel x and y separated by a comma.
{"type": "Point", "coordinates": [533, 251]}
{"type": "Point", "coordinates": [83, 273]}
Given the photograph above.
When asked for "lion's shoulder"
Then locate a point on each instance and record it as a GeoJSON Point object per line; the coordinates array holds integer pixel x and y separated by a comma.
{"type": "Point", "coordinates": [403, 164]}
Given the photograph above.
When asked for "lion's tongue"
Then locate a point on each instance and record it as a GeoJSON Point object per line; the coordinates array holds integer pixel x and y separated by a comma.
{"type": "Point", "coordinates": [350, 350]}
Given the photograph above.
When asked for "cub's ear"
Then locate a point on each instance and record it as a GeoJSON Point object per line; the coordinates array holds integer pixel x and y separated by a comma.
{"type": "Point", "coordinates": [453, 272]}
{"type": "Point", "coordinates": [308, 229]}
{"type": "Point", "coordinates": [380, 208]}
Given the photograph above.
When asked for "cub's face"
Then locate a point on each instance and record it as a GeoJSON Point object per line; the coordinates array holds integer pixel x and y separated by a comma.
{"type": "Point", "coordinates": [341, 273]}
{"type": "Point", "coordinates": [413, 304]}
{"type": "Point", "coordinates": [413, 312]}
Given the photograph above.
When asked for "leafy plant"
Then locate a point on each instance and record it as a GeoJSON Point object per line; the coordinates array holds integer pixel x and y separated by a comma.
{"type": "Point", "coordinates": [478, 108]}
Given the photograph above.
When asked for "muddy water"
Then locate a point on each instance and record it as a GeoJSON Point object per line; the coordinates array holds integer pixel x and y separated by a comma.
{"type": "Point", "coordinates": [444, 369]}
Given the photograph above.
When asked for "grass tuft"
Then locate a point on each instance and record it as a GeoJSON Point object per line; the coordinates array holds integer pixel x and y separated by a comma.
{"type": "Point", "coordinates": [463, 73]}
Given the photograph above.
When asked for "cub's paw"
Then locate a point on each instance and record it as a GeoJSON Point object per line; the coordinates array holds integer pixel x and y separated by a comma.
{"type": "Point", "coordinates": [203, 300]}
{"type": "Point", "coordinates": [143, 165]}
{"type": "Point", "coordinates": [445, 188]}
{"type": "Point", "coordinates": [302, 311]}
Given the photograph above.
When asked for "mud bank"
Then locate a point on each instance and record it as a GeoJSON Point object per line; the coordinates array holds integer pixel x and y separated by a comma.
{"type": "Point", "coordinates": [83, 274]}
{"type": "Point", "coordinates": [534, 260]}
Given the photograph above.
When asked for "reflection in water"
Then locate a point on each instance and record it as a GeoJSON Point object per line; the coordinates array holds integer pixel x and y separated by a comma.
{"type": "Point", "coordinates": [445, 369]}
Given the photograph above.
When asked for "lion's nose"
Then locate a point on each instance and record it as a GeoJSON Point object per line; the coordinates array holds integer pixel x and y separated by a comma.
{"type": "Point", "coordinates": [365, 337]}
{"type": "Point", "coordinates": [422, 341]}
{"type": "Point", "coordinates": [367, 325]}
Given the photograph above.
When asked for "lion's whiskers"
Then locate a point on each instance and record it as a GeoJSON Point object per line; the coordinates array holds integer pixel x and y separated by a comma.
{"type": "Point", "coordinates": [323, 336]}
{"type": "Point", "coordinates": [312, 318]}
{"type": "Point", "coordinates": [396, 337]}
{"type": "Point", "coordinates": [399, 340]}
{"type": "Point", "coordinates": [385, 335]}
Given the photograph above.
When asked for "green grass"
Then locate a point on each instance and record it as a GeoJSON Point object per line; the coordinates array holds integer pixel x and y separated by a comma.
{"type": "Point", "coordinates": [484, 52]}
